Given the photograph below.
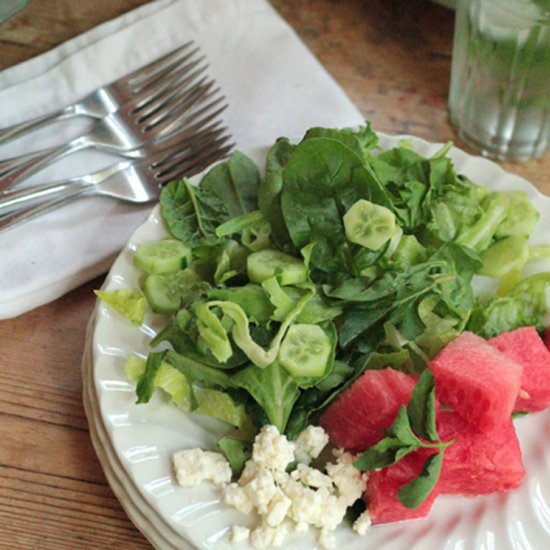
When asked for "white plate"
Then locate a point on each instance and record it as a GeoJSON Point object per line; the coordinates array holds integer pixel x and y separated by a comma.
{"type": "Point", "coordinates": [134, 443]}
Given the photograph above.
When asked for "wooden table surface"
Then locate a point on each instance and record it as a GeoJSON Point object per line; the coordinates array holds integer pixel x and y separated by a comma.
{"type": "Point", "coordinates": [393, 60]}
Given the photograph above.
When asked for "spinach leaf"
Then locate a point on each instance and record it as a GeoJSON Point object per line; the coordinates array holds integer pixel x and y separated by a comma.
{"type": "Point", "coordinates": [235, 184]}
{"type": "Point", "coordinates": [322, 180]}
{"type": "Point", "coordinates": [269, 193]}
{"type": "Point", "coordinates": [361, 141]}
{"type": "Point", "coordinates": [192, 213]}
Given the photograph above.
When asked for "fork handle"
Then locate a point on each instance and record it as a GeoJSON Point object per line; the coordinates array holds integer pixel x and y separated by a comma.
{"type": "Point", "coordinates": [17, 130]}
{"type": "Point", "coordinates": [13, 201]}
{"type": "Point", "coordinates": [17, 218]}
{"type": "Point", "coordinates": [38, 162]}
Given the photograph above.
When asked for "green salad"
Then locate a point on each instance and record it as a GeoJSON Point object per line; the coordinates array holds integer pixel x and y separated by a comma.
{"type": "Point", "coordinates": [281, 286]}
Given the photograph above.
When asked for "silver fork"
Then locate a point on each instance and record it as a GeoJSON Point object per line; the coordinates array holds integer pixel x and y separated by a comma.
{"type": "Point", "coordinates": [110, 97]}
{"type": "Point", "coordinates": [181, 105]}
{"type": "Point", "coordinates": [132, 181]}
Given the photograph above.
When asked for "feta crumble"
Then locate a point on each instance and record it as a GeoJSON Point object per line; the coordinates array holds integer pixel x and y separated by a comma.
{"type": "Point", "coordinates": [310, 443]}
{"type": "Point", "coordinates": [362, 523]}
{"type": "Point", "coordinates": [307, 497]}
{"type": "Point", "coordinates": [195, 466]}
{"type": "Point", "coordinates": [239, 534]}
{"type": "Point", "coordinates": [272, 450]}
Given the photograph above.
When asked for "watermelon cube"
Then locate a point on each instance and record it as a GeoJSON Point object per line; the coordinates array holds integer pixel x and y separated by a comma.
{"type": "Point", "coordinates": [357, 419]}
{"type": "Point", "coordinates": [383, 486]}
{"type": "Point", "coordinates": [477, 381]}
{"type": "Point", "coordinates": [525, 346]}
{"type": "Point", "coordinates": [478, 463]}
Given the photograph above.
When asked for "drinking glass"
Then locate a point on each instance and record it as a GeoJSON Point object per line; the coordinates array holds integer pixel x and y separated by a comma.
{"type": "Point", "coordinates": [499, 98]}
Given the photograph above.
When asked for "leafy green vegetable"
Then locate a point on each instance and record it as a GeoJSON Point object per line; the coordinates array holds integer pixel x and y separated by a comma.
{"type": "Point", "coordinates": [128, 302]}
{"type": "Point", "coordinates": [192, 213]}
{"type": "Point", "coordinates": [322, 180]}
{"type": "Point", "coordinates": [235, 183]}
{"type": "Point", "coordinates": [236, 451]}
{"type": "Point", "coordinates": [269, 192]}
{"type": "Point", "coordinates": [273, 388]}
{"type": "Point", "coordinates": [523, 305]}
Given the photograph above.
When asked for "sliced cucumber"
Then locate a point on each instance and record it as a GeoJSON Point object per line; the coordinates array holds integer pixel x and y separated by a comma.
{"type": "Point", "coordinates": [305, 350]}
{"type": "Point", "coordinates": [521, 217]}
{"type": "Point", "coordinates": [162, 256]}
{"type": "Point", "coordinates": [164, 291]}
{"type": "Point", "coordinates": [369, 225]}
{"type": "Point", "coordinates": [269, 263]}
{"type": "Point", "coordinates": [509, 254]}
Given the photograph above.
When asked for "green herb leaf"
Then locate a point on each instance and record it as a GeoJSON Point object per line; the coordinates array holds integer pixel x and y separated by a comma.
{"type": "Point", "coordinates": [414, 493]}
{"type": "Point", "coordinates": [421, 408]}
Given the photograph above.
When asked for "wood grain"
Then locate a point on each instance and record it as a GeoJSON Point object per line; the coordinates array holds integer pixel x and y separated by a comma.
{"type": "Point", "coordinates": [393, 60]}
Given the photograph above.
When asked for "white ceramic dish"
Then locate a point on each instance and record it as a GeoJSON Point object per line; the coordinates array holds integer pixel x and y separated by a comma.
{"type": "Point", "coordinates": [134, 443]}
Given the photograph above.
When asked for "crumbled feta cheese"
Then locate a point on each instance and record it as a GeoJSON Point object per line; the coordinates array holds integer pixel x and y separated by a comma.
{"type": "Point", "coordinates": [302, 527]}
{"type": "Point", "coordinates": [307, 497]}
{"type": "Point", "coordinates": [311, 476]}
{"type": "Point", "coordinates": [350, 482]}
{"type": "Point", "coordinates": [194, 466]}
{"type": "Point", "coordinates": [235, 496]}
{"type": "Point", "coordinates": [277, 509]}
{"type": "Point", "coordinates": [261, 489]}
{"type": "Point", "coordinates": [327, 540]}
{"type": "Point", "coordinates": [264, 536]}
{"type": "Point", "coordinates": [309, 443]}
{"type": "Point", "coordinates": [272, 450]}
{"type": "Point", "coordinates": [362, 523]}
{"type": "Point", "coordinates": [239, 534]}
{"type": "Point", "coordinates": [250, 471]}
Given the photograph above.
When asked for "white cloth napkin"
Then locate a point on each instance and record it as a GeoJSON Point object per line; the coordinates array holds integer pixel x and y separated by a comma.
{"type": "Point", "coordinates": [273, 84]}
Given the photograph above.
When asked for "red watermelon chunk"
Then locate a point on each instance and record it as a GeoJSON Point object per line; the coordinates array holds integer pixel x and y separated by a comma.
{"type": "Point", "coordinates": [477, 381]}
{"type": "Point", "coordinates": [525, 346]}
{"type": "Point", "coordinates": [478, 463]}
{"type": "Point", "coordinates": [356, 420]}
{"type": "Point", "coordinates": [383, 485]}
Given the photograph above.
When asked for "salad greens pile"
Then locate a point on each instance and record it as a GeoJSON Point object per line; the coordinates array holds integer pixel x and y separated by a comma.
{"type": "Point", "coordinates": [282, 288]}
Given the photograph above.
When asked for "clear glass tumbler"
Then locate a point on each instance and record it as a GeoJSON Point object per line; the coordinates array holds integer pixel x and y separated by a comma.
{"type": "Point", "coordinates": [499, 98]}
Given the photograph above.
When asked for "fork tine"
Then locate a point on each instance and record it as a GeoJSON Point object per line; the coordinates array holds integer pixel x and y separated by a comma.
{"type": "Point", "coordinates": [179, 79]}
{"type": "Point", "coordinates": [167, 157]}
{"type": "Point", "coordinates": [183, 100]}
{"type": "Point", "coordinates": [154, 95]}
{"type": "Point", "coordinates": [196, 163]}
{"type": "Point", "coordinates": [179, 162]}
{"type": "Point", "coordinates": [163, 71]}
{"type": "Point", "coordinates": [183, 117]}
{"type": "Point", "coordinates": [171, 94]}
{"type": "Point", "coordinates": [183, 138]}
{"type": "Point", "coordinates": [133, 79]}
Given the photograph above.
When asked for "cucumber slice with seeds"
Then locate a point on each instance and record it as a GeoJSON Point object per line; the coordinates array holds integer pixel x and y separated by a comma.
{"type": "Point", "coordinates": [162, 256]}
{"type": "Point", "coordinates": [305, 350]}
{"type": "Point", "coordinates": [369, 225]}
{"type": "Point", "coordinates": [269, 263]}
{"type": "Point", "coordinates": [164, 291]}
